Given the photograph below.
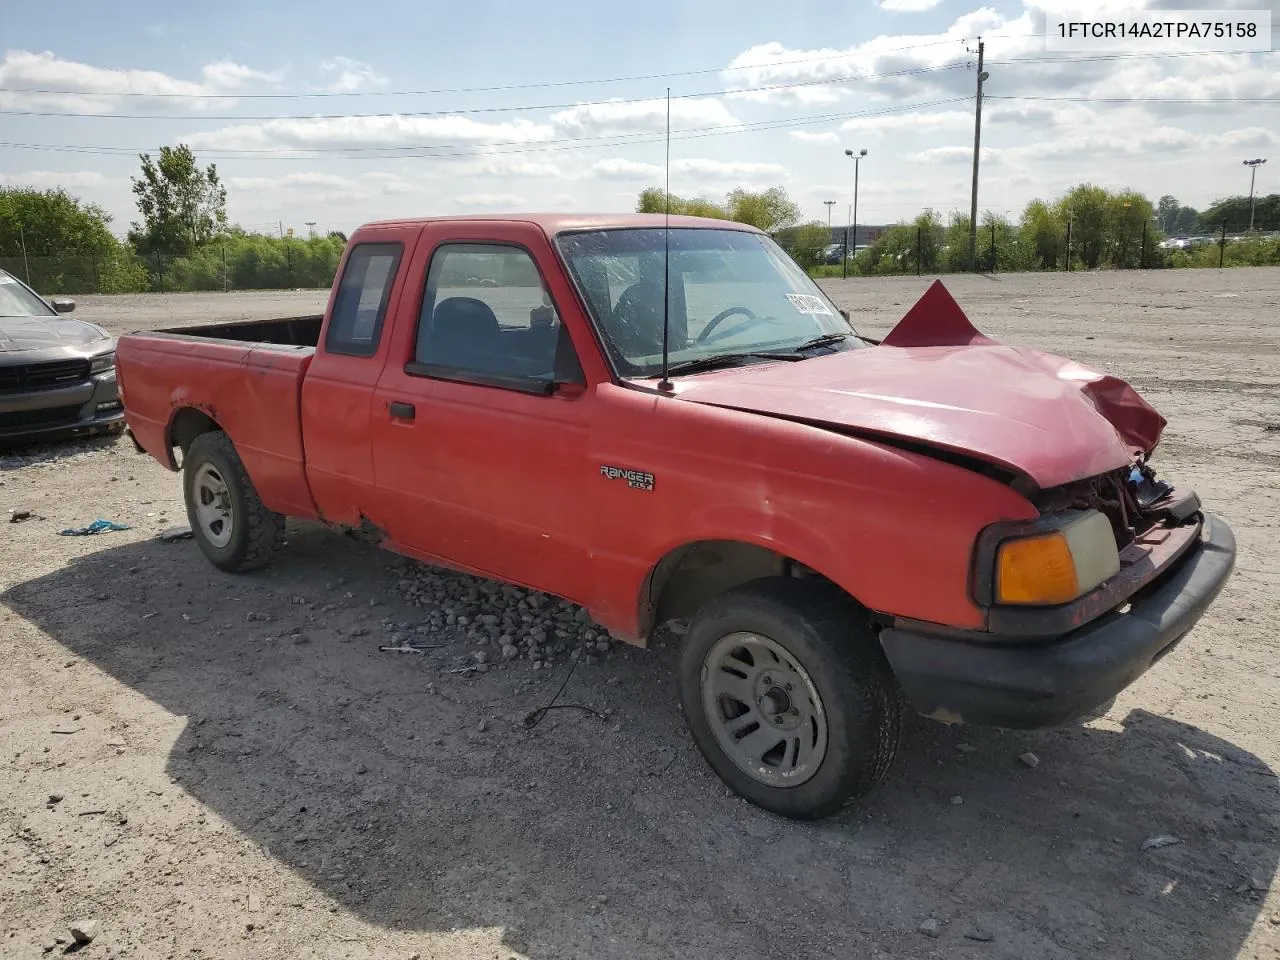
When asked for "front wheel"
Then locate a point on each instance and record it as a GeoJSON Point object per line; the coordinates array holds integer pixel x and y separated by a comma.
{"type": "Point", "coordinates": [229, 522]}
{"type": "Point", "coordinates": [788, 696]}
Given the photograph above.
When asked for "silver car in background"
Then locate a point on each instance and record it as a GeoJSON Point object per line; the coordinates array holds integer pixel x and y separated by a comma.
{"type": "Point", "coordinates": [57, 374]}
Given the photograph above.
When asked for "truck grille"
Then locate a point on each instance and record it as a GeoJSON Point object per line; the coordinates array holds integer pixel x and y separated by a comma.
{"type": "Point", "coordinates": [42, 376]}
{"type": "Point", "coordinates": [50, 417]}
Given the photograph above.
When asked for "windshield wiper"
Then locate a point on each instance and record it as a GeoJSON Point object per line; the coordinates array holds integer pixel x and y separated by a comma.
{"type": "Point", "coordinates": [723, 360]}
{"type": "Point", "coordinates": [826, 340]}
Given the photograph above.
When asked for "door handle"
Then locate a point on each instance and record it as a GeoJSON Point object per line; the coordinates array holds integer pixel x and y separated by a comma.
{"type": "Point", "coordinates": [401, 411]}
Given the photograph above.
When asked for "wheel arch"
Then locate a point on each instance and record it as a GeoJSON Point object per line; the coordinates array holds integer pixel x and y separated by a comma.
{"type": "Point", "coordinates": [185, 424]}
{"type": "Point", "coordinates": [689, 575]}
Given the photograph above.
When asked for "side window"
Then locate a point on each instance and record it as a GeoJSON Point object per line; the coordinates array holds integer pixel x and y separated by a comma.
{"type": "Point", "coordinates": [361, 304]}
{"type": "Point", "coordinates": [487, 318]}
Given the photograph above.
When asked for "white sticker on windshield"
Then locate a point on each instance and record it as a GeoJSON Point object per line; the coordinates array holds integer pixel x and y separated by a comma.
{"type": "Point", "coordinates": [809, 304]}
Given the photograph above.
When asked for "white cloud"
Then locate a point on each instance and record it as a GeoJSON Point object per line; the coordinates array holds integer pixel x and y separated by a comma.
{"type": "Point", "coordinates": [908, 6]}
{"type": "Point", "coordinates": [300, 179]}
{"type": "Point", "coordinates": [809, 136]}
{"type": "Point", "coordinates": [953, 154]}
{"type": "Point", "coordinates": [225, 75]}
{"type": "Point", "coordinates": [726, 169]}
{"type": "Point", "coordinates": [618, 168]}
{"type": "Point", "coordinates": [904, 122]}
{"type": "Point", "coordinates": [1250, 137]}
{"type": "Point", "coordinates": [614, 117]}
{"type": "Point", "coordinates": [83, 88]}
{"type": "Point", "coordinates": [51, 179]}
{"type": "Point", "coordinates": [500, 165]}
{"type": "Point", "coordinates": [364, 132]}
{"type": "Point", "coordinates": [352, 75]}
{"type": "Point", "coordinates": [472, 201]}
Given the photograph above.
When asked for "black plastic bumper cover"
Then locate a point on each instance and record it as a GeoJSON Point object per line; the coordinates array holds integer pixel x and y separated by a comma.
{"type": "Point", "coordinates": [1025, 685]}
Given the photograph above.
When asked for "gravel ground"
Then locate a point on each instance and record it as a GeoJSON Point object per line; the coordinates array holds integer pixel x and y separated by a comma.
{"type": "Point", "coordinates": [205, 765]}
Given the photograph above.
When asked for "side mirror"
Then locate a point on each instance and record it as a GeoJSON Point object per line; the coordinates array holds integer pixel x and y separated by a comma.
{"type": "Point", "coordinates": [63, 306]}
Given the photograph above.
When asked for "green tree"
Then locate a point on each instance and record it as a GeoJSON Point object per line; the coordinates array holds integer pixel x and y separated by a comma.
{"type": "Point", "coordinates": [182, 205]}
{"type": "Point", "coordinates": [1129, 213]}
{"type": "Point", "coordinates": [1234, 211]}
{"type": "Point", "coordinates": [653, 200]}
{"type": "Point", "coordinates": [809, 241]}
{"type": "Point", "coordinates": [69, 245]}
{"type": "Point", "coordinates": [1088, 208]}
{"type": "Point", "coordinates": [53, 224]}
{"type": "Point", "coordinates": [769, 210]}
{"type": "Point", "coordinates": [1043, 234]}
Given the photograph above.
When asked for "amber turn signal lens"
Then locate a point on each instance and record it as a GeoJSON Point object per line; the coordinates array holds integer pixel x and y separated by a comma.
{"type": "Point", "coordinates": [1036, 570]}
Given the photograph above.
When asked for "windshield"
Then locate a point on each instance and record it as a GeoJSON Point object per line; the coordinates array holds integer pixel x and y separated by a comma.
{"type": "Point", "coordinates": [729, 292]}
{"type": "Point", "coordinates": [17, 301]}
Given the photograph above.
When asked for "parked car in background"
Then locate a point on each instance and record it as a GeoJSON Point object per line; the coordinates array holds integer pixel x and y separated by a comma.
{"type": "Point", "coordinates": [57, 374]}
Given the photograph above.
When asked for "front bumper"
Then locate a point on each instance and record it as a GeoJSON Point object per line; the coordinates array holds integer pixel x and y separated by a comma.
{"type": "Point", "coordinates": [88, 407]}
{"type": "Point", "coordinates": [1001, 682]}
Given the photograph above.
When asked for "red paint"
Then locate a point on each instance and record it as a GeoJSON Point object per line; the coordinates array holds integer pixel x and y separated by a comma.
{"type": "Point", "coordinates": [509, 484]}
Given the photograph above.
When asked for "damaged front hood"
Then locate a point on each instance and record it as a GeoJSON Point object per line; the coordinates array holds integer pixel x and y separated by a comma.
{"type": "Point", "coordinates": [935, 380]}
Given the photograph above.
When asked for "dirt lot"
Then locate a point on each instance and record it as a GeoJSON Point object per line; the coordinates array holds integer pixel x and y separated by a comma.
{"type": "Point", "coordinates": [242, 773]}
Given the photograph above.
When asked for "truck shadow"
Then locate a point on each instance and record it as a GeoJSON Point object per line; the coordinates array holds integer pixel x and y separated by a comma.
{"type": "Point", "coordinates": [369, 775]}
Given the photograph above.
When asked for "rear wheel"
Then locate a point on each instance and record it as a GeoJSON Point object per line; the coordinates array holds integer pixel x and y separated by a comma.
{"type": "Point", "coordinates": [228, 520]}
{"type": "Point", "coordinates": [788, 696]}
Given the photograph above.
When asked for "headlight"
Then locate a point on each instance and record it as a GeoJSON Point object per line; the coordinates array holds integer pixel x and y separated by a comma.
{"type": "Point", "coordinates": [1059, 565]}
{"type": "Point", "coordinates": [103, 364]}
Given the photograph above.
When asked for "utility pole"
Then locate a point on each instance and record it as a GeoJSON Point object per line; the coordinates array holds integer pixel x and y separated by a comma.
{"type": "Point", "coordinates": [977, 140]}
{"type": "Point", "coordinates": [1253, 173]}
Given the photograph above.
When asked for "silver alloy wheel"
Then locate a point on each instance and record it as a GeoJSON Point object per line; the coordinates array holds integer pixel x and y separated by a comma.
{"type": "Point", "coordinates": [764, 709]}
{"type": "Point", "coordinates": [213, 505]}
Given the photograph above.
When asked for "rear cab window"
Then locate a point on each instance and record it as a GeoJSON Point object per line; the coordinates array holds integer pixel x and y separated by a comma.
{"type": "Point", "coordinates": [360, 307]}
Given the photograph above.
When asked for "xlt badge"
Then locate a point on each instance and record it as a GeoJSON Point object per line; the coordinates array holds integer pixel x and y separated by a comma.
{"type": "Point", "coordinates": [636, 479]}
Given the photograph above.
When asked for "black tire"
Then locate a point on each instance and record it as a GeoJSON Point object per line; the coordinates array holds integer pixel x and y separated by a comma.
{"type": "Point", "coordinates": [827, 635]}
{"type": "Point", "coordinates": [256, 532]}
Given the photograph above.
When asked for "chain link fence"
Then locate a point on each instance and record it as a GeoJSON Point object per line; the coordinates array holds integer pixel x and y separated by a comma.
{"type": "Point", "coordinates": [216, 267]}
{"type": "Point", "coordinates": [999, 248]}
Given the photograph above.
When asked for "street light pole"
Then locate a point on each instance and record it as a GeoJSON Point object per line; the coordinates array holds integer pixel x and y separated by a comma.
{"type": "Point", "coordinates": [310, 228]}
{"type": "Point", "coordinates": [830, 204]}
{"type": "Point", "coordinates": [857, 158]}
{"type": "Point", "coordinates": [1253, 173]}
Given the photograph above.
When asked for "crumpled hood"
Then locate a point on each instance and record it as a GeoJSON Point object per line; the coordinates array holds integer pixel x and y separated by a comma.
{"type": "Point", "coordinates": [41, 333]}
{"type": "Point", "coordinates": [1044, 416]}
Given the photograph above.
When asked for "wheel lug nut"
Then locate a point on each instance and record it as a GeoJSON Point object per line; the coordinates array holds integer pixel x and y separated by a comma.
{"type": "Point", "coordinates": [768, 680]}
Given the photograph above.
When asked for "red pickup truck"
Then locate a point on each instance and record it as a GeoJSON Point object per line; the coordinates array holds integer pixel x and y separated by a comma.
{"type": "Point", "coordinates": [669, 419]}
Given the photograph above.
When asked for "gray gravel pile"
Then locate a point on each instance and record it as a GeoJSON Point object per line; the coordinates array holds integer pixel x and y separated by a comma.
{"type": "Point", "coordinates": [502, 622]}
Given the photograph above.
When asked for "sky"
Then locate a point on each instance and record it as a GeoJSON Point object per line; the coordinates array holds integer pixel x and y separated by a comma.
{"type": "Point", "coordinates": [332, 114]}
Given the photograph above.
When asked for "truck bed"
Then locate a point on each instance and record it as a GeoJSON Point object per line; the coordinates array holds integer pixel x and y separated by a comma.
{"type": "Point", "coordinates": [286, 331]}
{"type": "Point", "coordinates": [247, 377]}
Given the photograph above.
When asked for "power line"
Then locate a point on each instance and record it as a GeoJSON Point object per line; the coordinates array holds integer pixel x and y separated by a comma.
{"type": "Point", "coordinates": [518, 146]}
{"type": "Point", "coordinates": [465, 111]}
{"type": "Point", "coordinates": [905, 72]}
{"type": "Point", "coordinates": [1142, 99]}
{"type": "Point", "coordinates": [493, 89]}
